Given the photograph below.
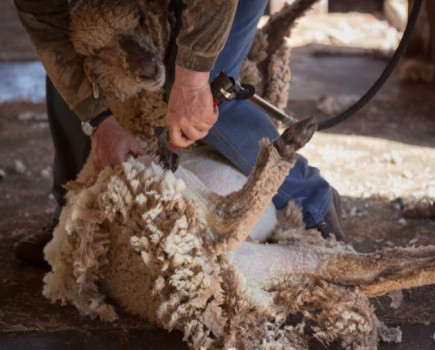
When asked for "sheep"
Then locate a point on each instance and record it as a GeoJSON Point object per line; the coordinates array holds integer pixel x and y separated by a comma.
{"type": "Point", "coordinates": [165, 247]}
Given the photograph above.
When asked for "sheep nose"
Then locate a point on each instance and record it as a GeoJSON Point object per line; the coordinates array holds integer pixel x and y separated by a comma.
{"type": "Point", "coordinates": [151, 69]}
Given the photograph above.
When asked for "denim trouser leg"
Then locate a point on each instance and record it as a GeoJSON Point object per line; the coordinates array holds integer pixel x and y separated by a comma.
{"type": "Point", "coordinates": [240, 125]}
{"type": "Point", "coordinates": [71, 145]}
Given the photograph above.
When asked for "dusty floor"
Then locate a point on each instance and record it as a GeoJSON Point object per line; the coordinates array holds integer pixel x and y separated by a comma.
{"type": "Point", "coordinates": [377, 160]}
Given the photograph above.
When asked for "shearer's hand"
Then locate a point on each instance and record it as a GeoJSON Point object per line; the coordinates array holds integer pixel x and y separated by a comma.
{"type": "Point", "coordinates": [190, 112]}
{"type": "Point", "coordinates": [111, 143]}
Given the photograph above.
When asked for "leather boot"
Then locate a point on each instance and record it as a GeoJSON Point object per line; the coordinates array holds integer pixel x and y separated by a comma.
{"type": "Point", "coordinates": [331, 223]}
{"type": "Point", "coordinates": [30, 248]}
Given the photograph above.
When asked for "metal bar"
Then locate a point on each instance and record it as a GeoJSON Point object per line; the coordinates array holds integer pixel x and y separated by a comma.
{"type": "Point", "coordinates": [271, 110]}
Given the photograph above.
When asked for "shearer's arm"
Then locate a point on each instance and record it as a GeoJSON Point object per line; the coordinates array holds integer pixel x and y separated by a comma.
{"type": "Point", "coordinates": [205, 29]}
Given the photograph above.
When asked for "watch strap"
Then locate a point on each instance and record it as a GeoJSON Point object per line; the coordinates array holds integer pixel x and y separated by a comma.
{"type": "Point", "coordinates": [100, 118]}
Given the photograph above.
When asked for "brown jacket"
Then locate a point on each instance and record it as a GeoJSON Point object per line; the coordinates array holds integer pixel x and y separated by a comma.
{"type": "Point", "coordinates": [206, 25]}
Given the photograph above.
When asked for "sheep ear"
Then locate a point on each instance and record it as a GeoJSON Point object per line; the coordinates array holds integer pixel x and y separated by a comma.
{"type": "Point", "coordinates": [87, 67]}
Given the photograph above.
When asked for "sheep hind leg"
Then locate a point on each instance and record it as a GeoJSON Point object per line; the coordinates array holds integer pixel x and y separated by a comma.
{"type": "Point", "coordinates": [401, 268]}
{"type": "Point", "coordinates": [379, 272]}
{"type": "Point", "coordinates": [231, 218]}
{"type": "Point", "coordinates": [375, 273]}
{"type": "Point", "coordinates": [281, 23]}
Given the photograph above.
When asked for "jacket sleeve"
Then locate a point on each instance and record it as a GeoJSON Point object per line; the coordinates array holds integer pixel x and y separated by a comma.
{"type": "Point", "coordinates": [47, 23]}
{"type": "Point", "coordinates": [205, 28]}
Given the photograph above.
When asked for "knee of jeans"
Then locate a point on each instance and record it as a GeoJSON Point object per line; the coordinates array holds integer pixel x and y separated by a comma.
{"type": "Point", "coordinates": [279, 202]}
{"type": "Point", "coordinates": [219, 141]}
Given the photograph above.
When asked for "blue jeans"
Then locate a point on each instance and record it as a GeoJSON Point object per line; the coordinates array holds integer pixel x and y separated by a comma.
{"type": "Point", "coordinates": [240, 126]}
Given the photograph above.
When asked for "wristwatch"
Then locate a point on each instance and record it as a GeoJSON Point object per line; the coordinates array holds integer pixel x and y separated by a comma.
{"type": "Point", "coordinates": [89, 126]}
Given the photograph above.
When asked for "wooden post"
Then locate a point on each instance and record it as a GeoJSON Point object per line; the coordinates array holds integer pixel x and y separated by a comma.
{"type": "Point", "coordinates": [418, 62]}
{"type": "Point", "coordinates": [422, 42]}
{"type": "Point", "coordinates": [430, 6]}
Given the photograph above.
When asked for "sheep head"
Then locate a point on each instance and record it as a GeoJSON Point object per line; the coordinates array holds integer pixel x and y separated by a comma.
{"type": "Point", "coordinates": [120, 57]}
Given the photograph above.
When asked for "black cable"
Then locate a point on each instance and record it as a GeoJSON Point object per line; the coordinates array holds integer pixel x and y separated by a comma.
{"type": "Point", "coordinates": [383, 77]}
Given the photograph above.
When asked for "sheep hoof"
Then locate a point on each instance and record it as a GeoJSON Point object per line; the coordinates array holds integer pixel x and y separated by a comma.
{"type": "Point", "coordinates": [295, 137]}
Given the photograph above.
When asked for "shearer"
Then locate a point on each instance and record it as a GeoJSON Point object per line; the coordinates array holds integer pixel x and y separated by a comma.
{"type": "Point", "coordinates": [214, 36]}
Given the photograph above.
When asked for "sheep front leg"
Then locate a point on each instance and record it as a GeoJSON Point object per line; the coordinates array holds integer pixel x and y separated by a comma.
{"type": "Point", "coordinates": [231, 218]}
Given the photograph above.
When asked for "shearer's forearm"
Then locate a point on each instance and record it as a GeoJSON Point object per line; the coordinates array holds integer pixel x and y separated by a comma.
{"type": "Point", "coordinates": [206, 26]}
